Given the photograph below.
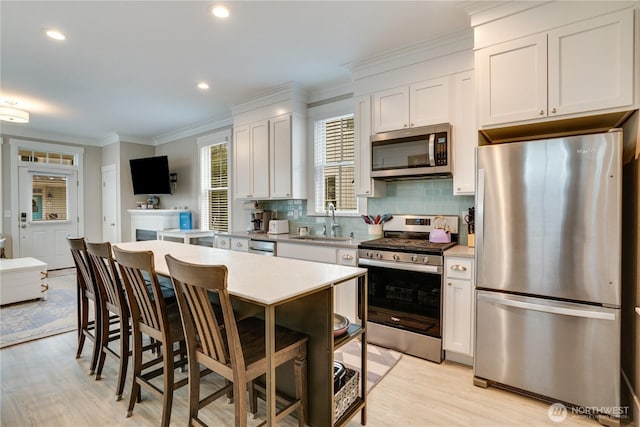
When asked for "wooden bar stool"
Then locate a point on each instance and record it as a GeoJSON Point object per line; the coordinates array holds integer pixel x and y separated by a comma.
{"type": "Point", "coordinates": [86, 291]}
{"type": "Point", "coordinates": [161, 322]}
{"type": "Point", "coordinates": [236, 352]}
{"type": "Point", "coordinates": [112, 303]}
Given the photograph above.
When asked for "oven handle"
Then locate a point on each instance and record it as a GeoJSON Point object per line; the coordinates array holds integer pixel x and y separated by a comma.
{"type": "Point", "coordinates": [412, 267]}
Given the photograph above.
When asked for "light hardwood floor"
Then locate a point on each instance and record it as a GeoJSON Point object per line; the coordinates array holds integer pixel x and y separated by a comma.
{"type": "Point", "coordinates": [42, 384]}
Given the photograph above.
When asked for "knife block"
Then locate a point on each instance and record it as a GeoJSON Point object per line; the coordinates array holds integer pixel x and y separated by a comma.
{"type": "Point", "coordinates": [471, 240]}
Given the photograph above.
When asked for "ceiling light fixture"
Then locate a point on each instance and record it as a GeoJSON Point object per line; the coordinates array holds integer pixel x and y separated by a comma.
{"type": "Point", "coordinates": [203, 86]}
{"type": "Point", "coordinates": [220, 11]}
{"type": "Point", "coordinates": [10, 114]}
{"type": "Point", "coordinates": [56, 35]}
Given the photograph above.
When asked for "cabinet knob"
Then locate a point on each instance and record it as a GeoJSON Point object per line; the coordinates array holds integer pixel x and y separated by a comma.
{"type": "Point", "coordinates": [449, 284]}
{"type": "Point", "coordinates": [553, 111]}
{"type": "Point", "coordinates": [405, 125]}
{"type": "Point", "coordinates": [367, 192]}
{"type": "Point", "coordinates": [288, 195]}
{"type": "Point", "coordinates": [542, 112]}
{"type": "Point", "coordinates": [411, 125]}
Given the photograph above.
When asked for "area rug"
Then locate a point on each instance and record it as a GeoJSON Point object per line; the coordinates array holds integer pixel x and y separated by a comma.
{"type": "Point", "coordinates": [38, 319]}
{"type": "Point", "coordinates": [379, 360]}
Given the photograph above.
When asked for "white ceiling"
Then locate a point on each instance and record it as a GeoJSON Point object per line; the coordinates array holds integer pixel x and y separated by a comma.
{"type": "Point", "coordinates": [130, 68]}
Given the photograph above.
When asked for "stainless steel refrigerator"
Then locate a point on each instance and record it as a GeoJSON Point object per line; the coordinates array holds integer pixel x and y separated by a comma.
{"type": "Point", "coordinates": [548, 254]}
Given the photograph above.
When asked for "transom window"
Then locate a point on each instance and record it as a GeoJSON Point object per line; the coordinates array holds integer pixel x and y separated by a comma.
{"type": "Point", "coordinates": [46, 157]}
{"type": "Point", "coordinates": [335, 164]}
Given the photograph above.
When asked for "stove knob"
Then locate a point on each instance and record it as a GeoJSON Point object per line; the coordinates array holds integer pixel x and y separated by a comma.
{"type": "Point", "coordinates": [369, 254]}
{"type": "Point", "coordinates": [396, 257]}
{"type": "Point", "coordinates": [414, 258]}
{"type": "Point", "coordinates": [378, 255]}
{"type": "Point", "coordinates": [425, 260]}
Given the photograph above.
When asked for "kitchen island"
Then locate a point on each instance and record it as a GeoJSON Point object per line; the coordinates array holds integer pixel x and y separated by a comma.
{"type": "Point", "coordinates": [293, 293]}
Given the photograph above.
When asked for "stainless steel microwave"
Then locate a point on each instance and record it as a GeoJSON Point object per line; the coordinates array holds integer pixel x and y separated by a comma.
{"type": "Point", "coordinates": [412, 153]}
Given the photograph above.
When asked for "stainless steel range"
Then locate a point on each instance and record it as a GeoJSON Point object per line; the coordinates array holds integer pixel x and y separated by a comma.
{"type": "Point", "coordinates": [405, 284]}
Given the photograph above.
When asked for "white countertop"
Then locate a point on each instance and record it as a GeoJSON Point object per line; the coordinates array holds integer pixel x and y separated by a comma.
{"type": "Point", "coordinates": [462, 251]}
{"type": "Point", "coordinates": [260, 279]}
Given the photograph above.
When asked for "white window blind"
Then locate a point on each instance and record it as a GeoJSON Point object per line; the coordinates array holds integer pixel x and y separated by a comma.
{"type": "Point", "coordinates": [335, 164]}
{"type": "Point", "coordinates": [214, 184]}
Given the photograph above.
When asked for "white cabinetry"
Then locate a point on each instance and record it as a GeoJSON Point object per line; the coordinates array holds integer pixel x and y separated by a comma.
{"type": "Point", "coordinates": [419, 104]}
{"type": "Point", "coordinates": [21, 279]}
{"type": "Point", "coordinates": [239, 244]}
{"type": "Point", "coordinates": [465, 137]}
{"type": "Point", "coordinates": [280, 151]}
{"type": "Point", "coordinates": [251, 160]}
{"type": "Point", "coordinates": [365, 185]}
{"type": "Point", "coordinates": [344, 294]}
{"type": "Point", "coordinates": [576, 68]}
{"type": "Point", "coordinates": [268, 160]}
{"type": "Point", "coordinates": [458, 306]}
{"type": "Point", "coordinates": [222, 242]}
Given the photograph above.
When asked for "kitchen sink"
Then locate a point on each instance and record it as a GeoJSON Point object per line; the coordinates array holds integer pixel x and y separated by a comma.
{"type": "Point", "coordinates": [321, 238]}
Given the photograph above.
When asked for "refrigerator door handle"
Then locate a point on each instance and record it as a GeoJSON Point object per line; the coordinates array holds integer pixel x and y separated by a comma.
{"type": "Point", "coordinates": [592, 314]}
{"type": "Point", "coordinates": [479, 228]}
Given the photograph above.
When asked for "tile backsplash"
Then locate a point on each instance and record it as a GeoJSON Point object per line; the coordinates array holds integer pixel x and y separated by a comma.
{"type": "Point", "coordinates": [425, 197]}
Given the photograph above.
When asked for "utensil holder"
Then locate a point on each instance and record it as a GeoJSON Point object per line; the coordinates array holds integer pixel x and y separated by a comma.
{"type": "Point", "coordinates": [375, 229]}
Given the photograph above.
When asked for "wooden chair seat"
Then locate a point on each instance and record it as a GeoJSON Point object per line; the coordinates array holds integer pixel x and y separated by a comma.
{"type": "Point", "coordinates": [235, 351]}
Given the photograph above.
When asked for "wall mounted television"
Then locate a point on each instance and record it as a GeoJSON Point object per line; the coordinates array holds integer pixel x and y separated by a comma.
{"type": "Point", "coordinates": [150, 175]}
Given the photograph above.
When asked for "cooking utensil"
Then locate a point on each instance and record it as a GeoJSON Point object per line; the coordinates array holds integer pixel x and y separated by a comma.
{"type": "Point", "coordinates": [340, 324]}
{"type": "Point", "coordinates": [386, 217]}
{"type": "Point", "coordinates": [377, 220]}
{"type": "Point", "coordinates": [366, 219]}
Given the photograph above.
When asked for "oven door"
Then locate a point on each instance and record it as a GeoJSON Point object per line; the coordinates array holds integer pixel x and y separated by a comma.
{"type": "Point", "coordinates": [407, 297]}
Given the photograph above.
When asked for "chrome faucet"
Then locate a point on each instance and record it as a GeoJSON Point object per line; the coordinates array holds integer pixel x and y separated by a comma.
{"type": "Point", "coordinates": [332, 210]}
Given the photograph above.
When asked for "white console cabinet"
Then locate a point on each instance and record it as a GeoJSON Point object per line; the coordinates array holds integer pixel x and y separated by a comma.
{"type": "Point", "coordinates": [154, 219]}
{"type": "Point", "coordinates": [21, 279]}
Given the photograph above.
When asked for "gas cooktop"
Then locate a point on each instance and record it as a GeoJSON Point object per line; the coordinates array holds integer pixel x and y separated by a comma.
{"type": "Point", "coordinates": [414, 245]}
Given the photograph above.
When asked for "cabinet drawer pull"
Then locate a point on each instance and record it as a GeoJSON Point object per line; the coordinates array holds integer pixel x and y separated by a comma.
{"type": "Point", "coordinates": [347, 256]}
{"type": "Point", "coordinates": [458, 267]}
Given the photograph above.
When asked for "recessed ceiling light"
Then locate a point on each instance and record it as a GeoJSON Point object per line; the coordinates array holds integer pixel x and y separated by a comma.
{"type": "Point", "coordinates": [203, 85]}
{"type": "Point", "coordinates": [220, 11]}
{"type": "Point", "coordinates": [56, 35]}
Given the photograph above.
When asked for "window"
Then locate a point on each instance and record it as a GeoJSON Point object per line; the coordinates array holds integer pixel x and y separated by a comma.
{"type": "Point", "coordinates": [214, 172]}
{"type": "Point", "coordinates": [49, 198]}
{"type": "Point", "coordinates": [335, 164]}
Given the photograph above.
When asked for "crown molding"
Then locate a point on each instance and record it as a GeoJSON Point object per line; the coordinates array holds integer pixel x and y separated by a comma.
{"type": "Point", "coordinates": [288, 91]}
{"type": "Point", "coordinates": [12, 130]}
{"type": "Point", "coordinates": [195, 129]}
{"type": "Point", "coordinates": [412, 54]}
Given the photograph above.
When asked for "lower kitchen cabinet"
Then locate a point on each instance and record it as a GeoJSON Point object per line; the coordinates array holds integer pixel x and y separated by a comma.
{"type": "Point", "coordinates": [458, 309]}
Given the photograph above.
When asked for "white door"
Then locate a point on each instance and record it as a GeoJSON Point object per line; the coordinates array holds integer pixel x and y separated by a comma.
{"type": "Point", "coordinates": [110, 228]}
{"type": "Point", "coordinates": [48, 202]}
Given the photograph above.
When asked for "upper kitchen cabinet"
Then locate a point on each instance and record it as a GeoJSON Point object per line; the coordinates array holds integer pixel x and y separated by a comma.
{"type": "Point", "coordinates": [465, 133]}
{"type": "Point", "coordinates": [269, 147]}
{"type": "Point", "coordinates": [581, 67]}
{"type": "Point", "coordinates": [251, 160]}
{"type": "Point", "coordinates": [365, 185]}
{"type": "Point", "coordinates": [419, 104]}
